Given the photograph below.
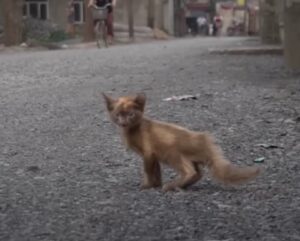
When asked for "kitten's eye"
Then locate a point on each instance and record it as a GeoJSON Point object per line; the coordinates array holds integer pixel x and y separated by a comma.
{"type": "Point", "coordinates": [131, 114]}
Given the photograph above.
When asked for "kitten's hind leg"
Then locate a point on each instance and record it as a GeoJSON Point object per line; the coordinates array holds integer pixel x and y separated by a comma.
{"type": "Point", "coordinates": [189, 172]}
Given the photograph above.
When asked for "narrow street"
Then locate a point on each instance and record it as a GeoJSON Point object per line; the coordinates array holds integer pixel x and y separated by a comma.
{"type": "Point", "coordinates": [65, 175]}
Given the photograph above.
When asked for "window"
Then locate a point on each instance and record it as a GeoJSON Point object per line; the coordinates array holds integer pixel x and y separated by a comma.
{"type": "Point", "coordinates": [36, 9]}
{"type": "Point", "coordinates": [33, 10]}
{"type": "Point", "coordinates": [79, 11]}
{"type": "Point", "coordinates": [24, 10]}
{"type": "Point", "coordinates": [43, 11]}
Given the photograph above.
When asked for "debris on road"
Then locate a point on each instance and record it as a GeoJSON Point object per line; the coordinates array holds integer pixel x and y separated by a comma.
{"type": "Point", "coordinates": [290, 121]}
{"type": "Point", "coordinates": [221, 205]}
{"type": "Point", "coordinates": [33, 169]}
{"type": "Point", "coordinates": [259, 160]}
{"type": "Point", "coordinates": [182, 97]}
{"type": "Point", "coordinates": [268, 146]}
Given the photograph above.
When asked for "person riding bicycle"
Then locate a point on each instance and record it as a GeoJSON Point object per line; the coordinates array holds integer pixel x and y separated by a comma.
{"type": "Point", "coordinates": [109, 21]}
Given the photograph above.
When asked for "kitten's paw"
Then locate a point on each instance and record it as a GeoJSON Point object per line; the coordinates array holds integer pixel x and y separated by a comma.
{"type": "Point", "coordinates": [146, 186]}
{"type": "Point", "coordinates": [157, 184]}
{"type": "Point", "coordinates": [168, 188]}
{"type": "Point", "coordinates": [150, 185]}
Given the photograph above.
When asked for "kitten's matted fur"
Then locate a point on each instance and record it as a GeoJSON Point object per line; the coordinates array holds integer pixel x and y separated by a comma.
{"type": "Point", "coordinates": [186, 151]}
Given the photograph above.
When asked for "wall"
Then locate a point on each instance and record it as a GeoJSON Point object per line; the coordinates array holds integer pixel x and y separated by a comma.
{"type": "Point", "coordinates": [269, 24]}
{"type": "Point", "coordinates": [57, 12]}
{"type": "Point", "coordinates": [227, 16]}
{"type": "Point", "coordinates": [1, 14]}
{"type": "Point", "coordinates": [140, 10]}
{"type": "Point", "coordinates": [169, 17]}
{"type": "Point", "coordinates": [164, 15]}
{"type": "Point", "coordinates": [232, 12]}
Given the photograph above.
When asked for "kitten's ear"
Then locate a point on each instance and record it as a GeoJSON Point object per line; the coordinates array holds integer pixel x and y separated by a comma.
{"type": "Point", "coordinates": [110, 102]}
{"type": "Point", "coordinates": [140, 100]}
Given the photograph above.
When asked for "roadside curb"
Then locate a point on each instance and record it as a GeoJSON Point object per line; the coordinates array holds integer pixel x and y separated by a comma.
{"type": "Point", "coordinates": [261, 50]}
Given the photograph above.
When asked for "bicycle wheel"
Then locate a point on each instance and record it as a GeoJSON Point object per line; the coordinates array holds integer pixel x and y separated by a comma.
{"type": "Point", "coordinates": [97, 34]}
{"type": "Point", "coordinates": [104, 33]}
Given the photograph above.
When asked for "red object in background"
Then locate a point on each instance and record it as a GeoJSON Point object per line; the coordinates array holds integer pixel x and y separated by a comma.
{"type": "Point", "coordinates": [227, 6]}
{"type": "Point", "coordinates": [198, 6]}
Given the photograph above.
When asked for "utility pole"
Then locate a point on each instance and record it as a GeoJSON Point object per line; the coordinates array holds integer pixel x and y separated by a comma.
{"type": "Point", "coordinates": [12, 12]}
{"type": "Point", "coordinates": [245, 17]}
{"type": "Point", "coordinates": [212, 8]}
{"type": "Point", "coordinates": [269, 22]}
{"type": "Point", "coordinates": [88, 25]}
{"type": "Point", "coordinates": [151, 12]}
{"type": "Point", "coordinates": [130, 19]}
{"type": "Point", "coordinates": [292, 33]}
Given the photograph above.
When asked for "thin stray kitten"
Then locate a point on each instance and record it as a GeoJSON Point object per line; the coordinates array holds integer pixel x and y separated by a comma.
{"type": "Point", "coordinates": [186, 151]}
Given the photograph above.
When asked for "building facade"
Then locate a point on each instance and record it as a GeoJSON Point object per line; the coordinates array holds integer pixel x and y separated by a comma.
{"type": "Point", "coordinates": [56, 12]}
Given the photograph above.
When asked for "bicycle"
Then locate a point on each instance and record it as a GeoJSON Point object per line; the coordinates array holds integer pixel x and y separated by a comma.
{"type": "Point", "coordinates": [99, 14]}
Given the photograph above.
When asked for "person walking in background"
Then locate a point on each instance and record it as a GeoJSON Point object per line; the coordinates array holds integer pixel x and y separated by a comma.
{"type": "Point", "coordinates": [202, 25]}
{"type": "Point", "coordinates": [217, 25]}
{"type": "Point", "coordinates": [109, 21]}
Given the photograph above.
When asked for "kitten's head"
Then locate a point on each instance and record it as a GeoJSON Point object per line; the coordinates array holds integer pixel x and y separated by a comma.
{"type": "Point", "coordinates": [126, 112]}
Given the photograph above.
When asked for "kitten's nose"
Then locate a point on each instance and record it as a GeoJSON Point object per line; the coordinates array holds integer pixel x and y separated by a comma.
{"type": "Point", "coordinates": [122, 122]}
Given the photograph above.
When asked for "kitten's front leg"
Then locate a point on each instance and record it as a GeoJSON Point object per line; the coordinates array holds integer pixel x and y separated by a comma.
{"type": "Point", "coordinates": [152, 173]}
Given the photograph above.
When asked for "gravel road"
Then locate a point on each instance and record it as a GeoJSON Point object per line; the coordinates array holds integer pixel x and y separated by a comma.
{"type": "Point", "coordinates": [66, 176]}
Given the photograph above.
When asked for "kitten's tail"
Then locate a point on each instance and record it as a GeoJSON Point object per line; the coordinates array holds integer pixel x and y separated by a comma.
{"type": "Point", "coordinates": [224, 170]}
